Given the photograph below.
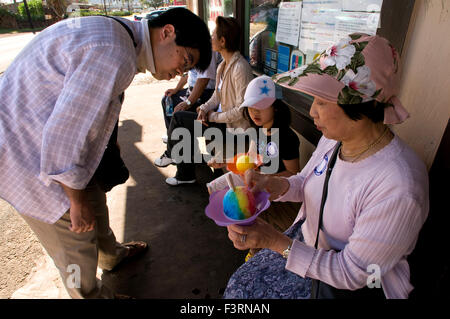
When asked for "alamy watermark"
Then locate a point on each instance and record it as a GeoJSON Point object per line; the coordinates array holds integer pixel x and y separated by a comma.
{"type": "Point", "coordinates": [374, 279]}
{"type": "Point", "coordinates": [73, 281]}
{"type": "Point", "coordinates": [74, 12]}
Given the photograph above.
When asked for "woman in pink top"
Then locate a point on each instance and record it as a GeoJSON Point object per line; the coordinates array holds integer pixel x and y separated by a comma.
{"type": "Point", "coordinates": [377, 198]}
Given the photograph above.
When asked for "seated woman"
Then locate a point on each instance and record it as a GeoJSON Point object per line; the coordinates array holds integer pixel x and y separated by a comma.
{"type": "Point", "coordinates": [222, 109]}
{"type": "Point", "coordinates": [357, 232]}
{"type": "Point", "coordinates": [269, 116]}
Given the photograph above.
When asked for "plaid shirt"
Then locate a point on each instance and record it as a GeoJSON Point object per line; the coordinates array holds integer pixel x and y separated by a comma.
{"type": "Point", "coordinates": [59, 102]}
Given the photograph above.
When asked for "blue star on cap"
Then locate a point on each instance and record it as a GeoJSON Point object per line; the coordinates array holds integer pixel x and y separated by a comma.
{"type": "Point", "coordinates": [265, 90]}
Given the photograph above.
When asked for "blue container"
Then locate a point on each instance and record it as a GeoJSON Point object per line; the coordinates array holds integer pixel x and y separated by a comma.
{"type": "Point", "coordinates": [169, 105]}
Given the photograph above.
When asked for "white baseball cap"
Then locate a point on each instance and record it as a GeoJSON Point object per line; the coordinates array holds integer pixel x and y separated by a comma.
{"type": "Point", "coordinates": [261, 92]}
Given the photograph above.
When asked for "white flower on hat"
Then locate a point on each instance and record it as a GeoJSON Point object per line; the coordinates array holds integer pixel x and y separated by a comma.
{"type": "Point", "coordinates": [360, 81]}
{"type": "Point", "coordinates": [340, 54]}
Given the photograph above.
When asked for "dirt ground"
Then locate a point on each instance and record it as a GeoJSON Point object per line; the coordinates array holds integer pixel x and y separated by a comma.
{"type": "Point", "coordinates": [18, 252]}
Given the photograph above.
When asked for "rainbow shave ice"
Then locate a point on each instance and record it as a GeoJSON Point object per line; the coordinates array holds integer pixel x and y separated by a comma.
{"type": "Point", "coordinates": [239, 204]}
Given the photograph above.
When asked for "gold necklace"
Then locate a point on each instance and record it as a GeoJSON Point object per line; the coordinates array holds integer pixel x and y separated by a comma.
{"type": "Point", "coordinates": [358, 155]}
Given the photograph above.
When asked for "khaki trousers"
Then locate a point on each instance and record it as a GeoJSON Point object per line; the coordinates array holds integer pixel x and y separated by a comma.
{"type": "Point", "coordinates": [77, 255]}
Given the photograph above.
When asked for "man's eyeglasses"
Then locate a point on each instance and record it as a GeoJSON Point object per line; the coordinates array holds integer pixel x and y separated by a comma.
{"type": "Point", "coordinates": [188, 60]}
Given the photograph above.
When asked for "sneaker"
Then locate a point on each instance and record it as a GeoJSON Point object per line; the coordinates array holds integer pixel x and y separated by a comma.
{"type": "Point", "coordinates": [164, 161]}
{"type": "Point", "coordinates": [173, 181]}
{"type": "Point", "coordinates": [164, 139]}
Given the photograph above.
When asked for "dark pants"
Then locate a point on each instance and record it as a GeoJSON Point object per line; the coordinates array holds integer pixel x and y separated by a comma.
{"type": "Point", "coordinates": [185, 119]}
{"type": "Point", "coordinates": [176, 98]}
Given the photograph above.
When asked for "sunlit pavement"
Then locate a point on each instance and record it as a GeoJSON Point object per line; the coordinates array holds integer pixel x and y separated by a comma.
{"type": "Point", "coordinates": [11, 45]}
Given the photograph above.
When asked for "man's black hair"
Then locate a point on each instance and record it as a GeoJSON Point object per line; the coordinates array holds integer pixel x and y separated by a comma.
{"type": "Point", "coordinates": [373, 110]}
{"type": "Point", "coordinates": [190, 32]}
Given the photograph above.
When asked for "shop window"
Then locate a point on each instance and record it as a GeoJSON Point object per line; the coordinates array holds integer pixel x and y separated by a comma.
{"type": "Point", "coordinates": [262, 45]}
{"type": "Point", "coordinates": [214, 8]}
{"type": "Point", "coordinates": [284, 35]}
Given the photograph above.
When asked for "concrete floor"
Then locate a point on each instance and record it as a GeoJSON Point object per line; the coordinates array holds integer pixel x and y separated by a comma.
{"type": "Point", "coordinates": [190, 256]}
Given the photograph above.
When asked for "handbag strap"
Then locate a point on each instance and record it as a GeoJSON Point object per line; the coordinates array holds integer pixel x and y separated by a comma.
{"type": "Point", "coordinates": [331, 163]}
{"type": "Point", "coordinates": [315, 283]}
{"type": "Point", "coordinates": [113, 138]}
{"type": "Point", "coordinates": [126, 28]}
{"type": "Point", "coordinates": [316, 291]}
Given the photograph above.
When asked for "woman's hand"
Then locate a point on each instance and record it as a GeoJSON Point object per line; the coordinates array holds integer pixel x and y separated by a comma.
{"type": "Point", "coordinates": [202, 116]}
{"type": "Point", "coordinates": [275, 186]}
{"type": "Point", "coordinates": [259, 235]}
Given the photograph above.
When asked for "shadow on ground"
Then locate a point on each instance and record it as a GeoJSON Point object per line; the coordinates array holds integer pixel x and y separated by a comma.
{"type": "Point", "coordinates": [189, 256]}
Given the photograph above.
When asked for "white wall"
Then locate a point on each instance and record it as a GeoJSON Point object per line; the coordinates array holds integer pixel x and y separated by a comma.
{"type": "Point", "coordinates": [425, 86]}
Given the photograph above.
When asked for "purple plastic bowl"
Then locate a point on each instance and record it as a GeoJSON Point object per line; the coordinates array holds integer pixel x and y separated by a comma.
{"type": "Point", "coordinates": [214, 210]}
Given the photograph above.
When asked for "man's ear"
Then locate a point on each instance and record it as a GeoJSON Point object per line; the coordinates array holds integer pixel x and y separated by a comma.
{"type": "Point", "coordinates": [167, 32]}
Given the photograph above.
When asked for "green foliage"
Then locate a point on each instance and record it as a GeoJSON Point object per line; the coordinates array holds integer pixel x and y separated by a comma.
{"type": "Point", "coordinates": [355, 36]}
{"type": "Point", "coordinates": [331, 70]}
{"type": "Point", "coordinates": [36, 10]}
{"type": "Point", "coordinates": [153, 3]}
{"type": "Point", "coordinates": [357, 61]}
{"type": "Point", "coordinates": [312, 68]}
{"type": "Point", "coordinates": [87, 12]}
{"type": "Point", "coordinates": [120, 13]}
{"type": "Point", "coordinates": [228, 4]}
{"type": "Point", "coordinates": [5, 13]}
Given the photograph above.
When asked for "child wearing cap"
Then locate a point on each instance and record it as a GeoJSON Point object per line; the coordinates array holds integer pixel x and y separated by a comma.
{"type": "Point", "coordinates": [265, 111]}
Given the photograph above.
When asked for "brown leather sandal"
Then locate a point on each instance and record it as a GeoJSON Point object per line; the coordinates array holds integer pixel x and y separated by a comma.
{"type": "Point", "coordinates": [136, 248]}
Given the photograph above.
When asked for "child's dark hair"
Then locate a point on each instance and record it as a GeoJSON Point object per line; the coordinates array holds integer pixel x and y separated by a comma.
{"type": "Point", "coordinates": [281, 115]}
{"type": "Point", "coordinates": [229, 28]}
{"type": "Point", "coordinates": [373, 110]}
{"type": "Point", "coordinates": [190, 31]}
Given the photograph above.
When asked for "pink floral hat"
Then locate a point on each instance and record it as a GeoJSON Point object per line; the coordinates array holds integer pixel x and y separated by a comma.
{"type": "Point", "coordinates": [359, 68]}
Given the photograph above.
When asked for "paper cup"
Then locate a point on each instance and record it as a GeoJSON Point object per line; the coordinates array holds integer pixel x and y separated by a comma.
{"type": "Point", "coordinates": [214, 210]}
